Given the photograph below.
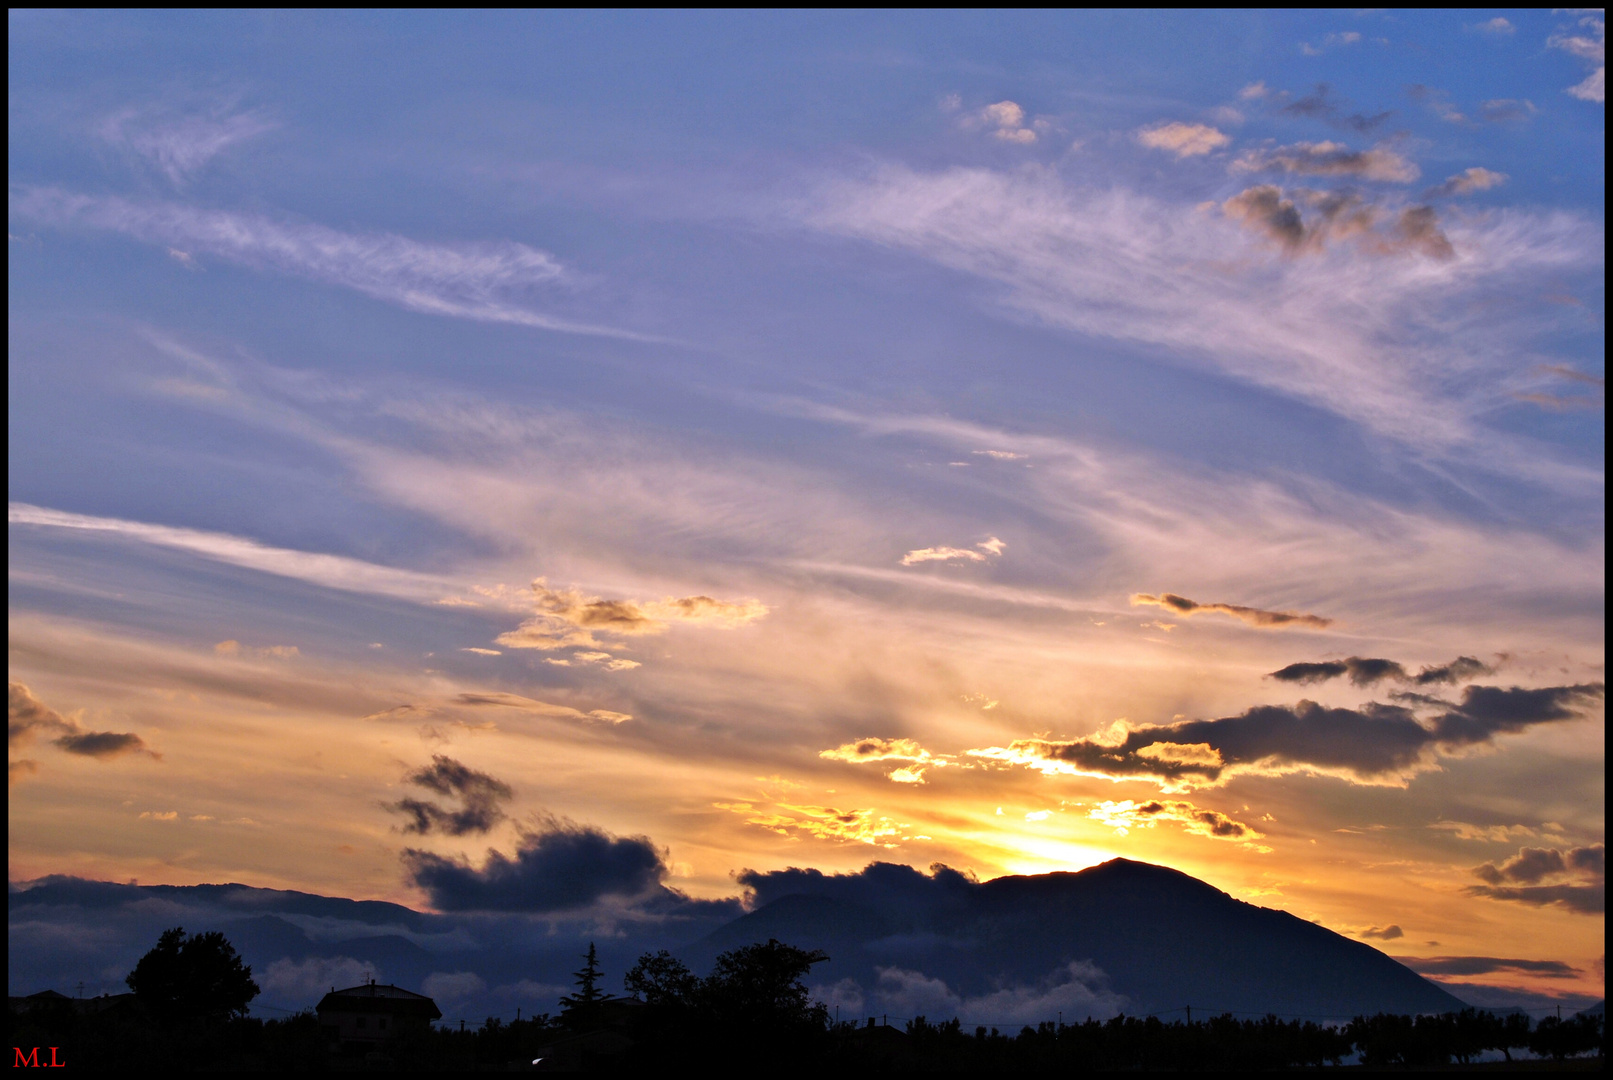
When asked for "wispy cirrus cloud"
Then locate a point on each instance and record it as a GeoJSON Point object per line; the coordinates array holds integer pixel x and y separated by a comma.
{"type": "Point", "coordinates": [480, 281]}
{"type": "Point", "coordinates": [179, 144]}
{"type": "Point", "coordinates": [1381, 341]}
{"type": "Point", "coordinates": [329, 571]}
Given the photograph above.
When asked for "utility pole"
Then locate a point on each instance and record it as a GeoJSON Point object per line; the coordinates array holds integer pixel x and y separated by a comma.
{"type": "Point", "coordinates": [81, 989]}
{"type": "Point", "coordinates": [1189, 1016]}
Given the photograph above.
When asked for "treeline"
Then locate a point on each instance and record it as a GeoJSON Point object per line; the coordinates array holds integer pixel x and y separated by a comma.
{"type": "Point", "coordinates": [1225, 1043]}
{"type": "Point", "coordinates": [753, 1010]}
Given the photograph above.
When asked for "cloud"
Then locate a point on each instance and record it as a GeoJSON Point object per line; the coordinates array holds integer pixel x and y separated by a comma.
{"type": "Point", "coordinates": [604, 659]}
{"type": "Point", "coordinates": [479, 793]}
{"type": "Point", "coordinates": [1496, 834]}
{"type": "Point", "coordinates": [235, 648]}
{"type": "Point", "coordinates": [481, 652]}
{"type": "Point", "coordinates": [862, 826]}
{"type": "Point", "coordinates": [306, 980]}
{"type": "Point", "coordinates": [1381, 345]}
{"type": "Point", "coordinates": [1253, 616]}
{"type": "Point", "coordinates": [1183, 140]}
{"type": "Point", "coordinates": [1485, 965]}
{"type": "Point", "coordinates": [1497, 26]}
{"type": "Point", "coordinates": [1329, 159]}
{"type": "Point", "coordinates": [1005, 120]}
{"type": "Point", "coordinates": [561, 867]}
{"type": "Point", "coordinates": [1126, 815]}
{"type": "Point", "coordinates": [1387, 933]}
{"type": "Point", "coordinates": [1518, 878]}
{"type": "Point", "coordinates": [1255, 91]}
{"type": "Point", "coordinates": [1078, 989]}
{"type": "Point", "coordinates": [455, 986]}
{"type": "Point", "coordinates": [1362, 671]}
{"type": "Point", "coordinates": [328, 571]}
{"type": "Point", "coordinates": [1321, 105]}
{"type": "Point", "coordinates": [991, 547]}
{"type": "Point", "coordinates": [26, 715]}
{"type": "Point", "coordinates": [498, 699]}
{"type": "Point", "coordinates": [1268, 211]}
{"type": "Point", "coordinates": [1506, 110]}
{"type": "Point", "coordinates": [1376, 744]}
{"type": "Point", "coordinates": [1365, 671]}
{"type": "Point", "coordinates": [1000, 455]}
{"type": "Point", "coordinates": [1331, 41]}
{"type": "Point", "coordinates": [1592, 49]}
{"type": "Point", "coordinates": [179, 146]}
{"type": "Point", "coordinates": [567, 617]}
{"type": "Point", "coordinates": [1466, 182]}
{"type": "Point", "coordinates": [940, 554]}
{"type": "Point", "coordinates": [876, 749]}
{"type": "Point", "coordinates": [479, 281]}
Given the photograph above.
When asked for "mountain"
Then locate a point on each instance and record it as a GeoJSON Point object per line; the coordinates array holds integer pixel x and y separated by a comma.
{"type": "Point", "coordinates": [1160, 939]}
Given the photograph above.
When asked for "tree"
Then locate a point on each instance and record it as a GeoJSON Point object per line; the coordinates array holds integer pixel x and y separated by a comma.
{"type": "Point", "coordinates": [580, 1011]}
{"type": "Point", "coordinates": [761, 985]}
{"type": "Point", "coordinates": [192, 978]}
{"type": "Point", "coordinates": [661, 979]}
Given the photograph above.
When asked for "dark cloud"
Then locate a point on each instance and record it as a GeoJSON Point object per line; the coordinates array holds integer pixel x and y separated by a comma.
{"type": "Point", "coordinates": [1517, 878]}
{"type": "Point", "coordinates": [1485, 965]}
{"type": "Point", "coordinates": [1365, 671]}
{"type": "Point", "coordinates": [1506, 110]}
{"type": "Point", "coordinates": [1461, 669]}
{"type": "Point", "coordinates": [1320, 104]}
{"type": "Point", "coordinates": [101, 744]}
{"type": "Point", "coordinates": [1581, 899]}
{"type": "Point", "coordinates": [28, 716]}
{"type": "Point", "coordinates": [1531, 865]}
{"type": "Point", "coordinates": [1332, 217]}
{"type": "Point", "coordinates": [1418, 227]}
{"type": "Point", "coordinates": [479, 793]}
{"type": "Point", "coordinates": [1210, 822]}
{"type": "Point", "coordinates": [1387, 933]}
{"type": "Point", "coordinates": [1373, 741]}
{"type": "Point", "coordinates": [877, 885]}
{"type": "Point", "coordinates": [1253, 616]}
{"type": "Point", "coordinates": [562, 868]}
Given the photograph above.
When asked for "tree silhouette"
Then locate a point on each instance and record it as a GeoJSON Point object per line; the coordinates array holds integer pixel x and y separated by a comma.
{"type": "Point", "coordinates": [580, 1011]}
{"type": "Point", "coordinates": [662, 979]}
{"type": "Point", "coordinates": [192, 978]}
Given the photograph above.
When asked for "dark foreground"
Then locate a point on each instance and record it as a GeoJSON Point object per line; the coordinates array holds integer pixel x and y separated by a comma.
{"type": "Point", "coordinates": [658, 1038]}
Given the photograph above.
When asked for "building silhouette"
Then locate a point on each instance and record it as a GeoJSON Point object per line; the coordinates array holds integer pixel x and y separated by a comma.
{"type": "Point", "coordinates": [365, 1016]}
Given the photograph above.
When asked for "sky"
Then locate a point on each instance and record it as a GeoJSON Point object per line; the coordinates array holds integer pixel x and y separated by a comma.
{"type": "Point", "coordinates": [537, 462]}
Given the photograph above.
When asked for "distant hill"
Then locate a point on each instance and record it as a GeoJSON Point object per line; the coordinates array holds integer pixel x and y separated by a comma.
{"type": "Point", "coordinates": [1164, 940]}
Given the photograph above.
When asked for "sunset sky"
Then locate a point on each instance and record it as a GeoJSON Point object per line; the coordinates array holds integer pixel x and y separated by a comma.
{"type": "Point", "coordinates": [1003, 440]}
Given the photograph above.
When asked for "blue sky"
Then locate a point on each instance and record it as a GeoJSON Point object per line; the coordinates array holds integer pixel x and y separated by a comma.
{"type": "Point", "coordinates": [648, 410]}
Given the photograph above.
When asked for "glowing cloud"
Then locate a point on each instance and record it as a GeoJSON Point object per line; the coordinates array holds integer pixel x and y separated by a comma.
{"type": "Point", "coordinates": [567, 617]}
{"type": "Point", "coordinates": [1183, 140]}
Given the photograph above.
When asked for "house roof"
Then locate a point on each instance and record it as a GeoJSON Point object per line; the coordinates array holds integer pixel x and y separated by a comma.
{"type": "Point", "coordinates": [380, 998]}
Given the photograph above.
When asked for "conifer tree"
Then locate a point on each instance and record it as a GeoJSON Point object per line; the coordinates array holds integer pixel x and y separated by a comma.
{"type": "Point", "coordinates": [580, 1011]}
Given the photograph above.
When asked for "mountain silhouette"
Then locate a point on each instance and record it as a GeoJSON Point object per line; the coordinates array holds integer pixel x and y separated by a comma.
{"type": "Point", "coordinates": [1162, 940]}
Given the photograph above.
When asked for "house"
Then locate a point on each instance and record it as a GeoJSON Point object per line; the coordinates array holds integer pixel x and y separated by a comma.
{"type": "Point", "coordinates": [371, 1014]}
